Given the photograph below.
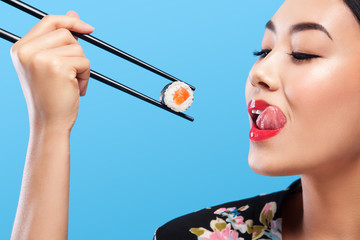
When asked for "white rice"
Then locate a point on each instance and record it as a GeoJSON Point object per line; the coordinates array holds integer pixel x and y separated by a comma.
{"type": "Point", "coordinates": [167, 96]}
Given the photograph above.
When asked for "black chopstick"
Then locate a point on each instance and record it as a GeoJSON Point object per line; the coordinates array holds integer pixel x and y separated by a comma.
{"type": "Point", "coordinates": [95, 75]}
{"type": "Point", "coordinates": [93, 40]}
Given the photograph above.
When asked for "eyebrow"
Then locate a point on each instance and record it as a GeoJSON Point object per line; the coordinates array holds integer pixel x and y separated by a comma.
{"type": "Point", "coordinates": [270, 25]}
{"type": "Point", "coordinates": [301, 27]}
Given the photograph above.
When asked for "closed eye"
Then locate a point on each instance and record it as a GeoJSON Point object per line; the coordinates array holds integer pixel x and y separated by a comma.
{"type": "Point", "coordinates": [263, 53]}
{"type": "Point", "coordinates": [298, 56]}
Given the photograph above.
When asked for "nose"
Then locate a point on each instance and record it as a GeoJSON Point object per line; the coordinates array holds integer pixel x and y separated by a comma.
{"type": "Point", "coordinates": [264, 74]}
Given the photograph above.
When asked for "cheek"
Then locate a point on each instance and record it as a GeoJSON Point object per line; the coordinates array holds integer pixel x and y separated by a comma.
{"type": "Point", "coordinates": [324, 100]}
{"type": "Point", "coordinates": [307, 85]}
{"type": "Point", "coordinates": [322, 90]}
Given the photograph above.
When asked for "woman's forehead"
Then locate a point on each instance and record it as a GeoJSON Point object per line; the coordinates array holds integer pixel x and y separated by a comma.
{"type": "Point", "coordinates": [334, 15]}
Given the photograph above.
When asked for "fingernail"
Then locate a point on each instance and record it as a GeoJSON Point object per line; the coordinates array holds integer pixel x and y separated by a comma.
{"type": "Point", "coordinates": [72, 14]}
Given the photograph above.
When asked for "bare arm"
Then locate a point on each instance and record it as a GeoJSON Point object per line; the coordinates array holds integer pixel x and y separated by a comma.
{"type": "Point", "coordinates": [53, 73]}
{"type": "Point", "coordinates": [43, 205]}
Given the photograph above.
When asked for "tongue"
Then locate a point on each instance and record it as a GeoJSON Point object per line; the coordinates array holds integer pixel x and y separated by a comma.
{"type": "Point", "coordinates": [270, 119]}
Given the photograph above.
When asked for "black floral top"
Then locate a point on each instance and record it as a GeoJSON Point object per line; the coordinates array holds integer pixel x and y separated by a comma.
{"type": "Point", "coordinates": [254, 218]}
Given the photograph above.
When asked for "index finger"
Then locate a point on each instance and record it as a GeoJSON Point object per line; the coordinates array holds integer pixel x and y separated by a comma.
{"type": "Point", "coordinates": [52, 22]}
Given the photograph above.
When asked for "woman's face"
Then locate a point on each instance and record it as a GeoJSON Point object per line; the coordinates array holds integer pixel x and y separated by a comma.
{"type": "Point", "coordinates": [310, 72]}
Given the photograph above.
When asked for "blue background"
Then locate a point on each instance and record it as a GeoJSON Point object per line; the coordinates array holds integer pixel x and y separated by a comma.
{"type": "Point", "coordinates": [134, 166]}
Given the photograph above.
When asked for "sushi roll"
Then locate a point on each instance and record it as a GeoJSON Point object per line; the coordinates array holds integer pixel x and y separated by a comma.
{"type": "Point", "coordinates": [177, 96]}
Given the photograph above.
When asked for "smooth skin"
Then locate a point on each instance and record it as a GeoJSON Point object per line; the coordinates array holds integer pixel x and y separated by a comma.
{"type": "Point", "coordinates": [320, 97]}
{"type": "Point", "coordinates": [53, 73]}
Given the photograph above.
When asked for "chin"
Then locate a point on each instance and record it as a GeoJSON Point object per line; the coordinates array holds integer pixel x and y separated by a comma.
{"type": "Point", "coordinates": [270, 164]}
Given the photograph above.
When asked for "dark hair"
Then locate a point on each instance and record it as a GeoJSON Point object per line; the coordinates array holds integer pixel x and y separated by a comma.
{"type": "Point", "coordinates": [354, 6]}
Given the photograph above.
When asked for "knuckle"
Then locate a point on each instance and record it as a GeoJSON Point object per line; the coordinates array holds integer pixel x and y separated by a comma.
{"type": "Point", "coordinates": [42, 60]}
{"type": "Point", "coordinates": [23, 52]}
{"type": "Point", "coordinates": [63, 31]}
{"type": "Point", "coordinates": [56, 21]}
{"type": "Point", "coordinates": [55, 64]}
{"type": "Point", "coordinates": [49, 17]}
{"type": "Point", "coordinates": [39, 59]}
{"type": "Point", "coordinates": [66, 34]}
{"type": "Point", "coordinates": [78, 49]}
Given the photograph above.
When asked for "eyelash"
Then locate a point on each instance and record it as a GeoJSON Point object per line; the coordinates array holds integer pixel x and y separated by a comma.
{"type": "Point", "coordinates": [298, 56]}
{"type": "Point", "coordinates": [263, 53]}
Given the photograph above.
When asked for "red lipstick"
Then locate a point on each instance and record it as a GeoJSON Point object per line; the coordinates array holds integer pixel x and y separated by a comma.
{"type": "Point", "coordinates": [267, 120]}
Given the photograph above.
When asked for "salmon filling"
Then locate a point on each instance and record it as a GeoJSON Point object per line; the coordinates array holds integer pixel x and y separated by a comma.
{"type": "Point", "coordinates": [180, 96]}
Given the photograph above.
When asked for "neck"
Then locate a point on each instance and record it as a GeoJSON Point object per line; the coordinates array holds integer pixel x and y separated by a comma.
{"type": "Point", "coordinates": [331, 203]}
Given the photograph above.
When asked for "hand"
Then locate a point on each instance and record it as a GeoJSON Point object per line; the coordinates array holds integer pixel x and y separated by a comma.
{"type": "Point", "coordinates": [53, 70]}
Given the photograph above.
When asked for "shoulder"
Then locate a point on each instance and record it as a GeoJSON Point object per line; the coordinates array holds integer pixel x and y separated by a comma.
{"type": "Point", "coordinates": [257, 216]}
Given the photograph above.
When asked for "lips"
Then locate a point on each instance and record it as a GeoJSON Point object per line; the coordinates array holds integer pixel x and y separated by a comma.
{"type": "Point", "coordinates": [267, 120]}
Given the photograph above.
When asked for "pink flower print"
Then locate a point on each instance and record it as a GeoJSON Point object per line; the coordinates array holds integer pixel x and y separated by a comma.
{"type": "Point", "coordinates": [268, 213]}
{"type": "Point", "coordinates": [220, 210]}
{"type": "Point", "coordinates": [234, 217]}
{"type": "Point", "coordinates": [225, 234]}
{"type": "Point", "coordinates": [267, 208]}
{"type": "Point", "coordinates": [225, 211]}
{"type": "Point", "coordinates": [238, 223]}
{"type": "Point", "coordinates": [239, 220]}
